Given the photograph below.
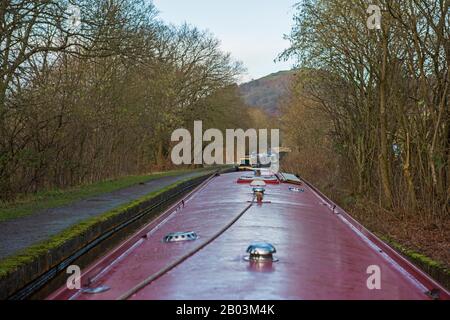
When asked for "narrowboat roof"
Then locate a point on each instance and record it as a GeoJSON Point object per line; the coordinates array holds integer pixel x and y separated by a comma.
{"type": "Point", "coordinates": [199, 249]}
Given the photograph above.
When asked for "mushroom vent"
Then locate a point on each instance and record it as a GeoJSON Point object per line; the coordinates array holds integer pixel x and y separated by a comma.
{"type": "Point", "coordinates": [181, 236]}
{"type": "Point", "coordinates": [261, 252]}
{"type": "Point", "coordinates": [96, 290]}
{"type": "Point", "coordinates": [259, 189]}
{"type": "Point", "coordinates": [295, 189]}
{"type": "Point", "coordinates": [258, 186]}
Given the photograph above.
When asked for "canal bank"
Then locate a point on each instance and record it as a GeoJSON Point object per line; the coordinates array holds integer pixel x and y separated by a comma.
{"type": "Point", "coordinates": [19, 270]}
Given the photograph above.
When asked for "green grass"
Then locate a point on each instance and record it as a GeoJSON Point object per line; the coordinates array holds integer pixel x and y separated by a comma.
{"type": "Point", "coordinates": [56, 198]}
{"type": "Point", "coordinates": [415, 256]}
{"type": "Point", "coordinates": [30, 254]}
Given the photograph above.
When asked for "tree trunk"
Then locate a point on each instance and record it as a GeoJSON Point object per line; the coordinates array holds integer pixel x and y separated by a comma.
{"type": "Point", "coordinates": [407, 174]}
{"type": "Point", "coordinates": [383, 158]}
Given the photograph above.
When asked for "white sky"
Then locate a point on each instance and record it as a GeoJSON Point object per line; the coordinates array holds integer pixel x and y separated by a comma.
{"type": "Point", "coordinates": [251, 30]}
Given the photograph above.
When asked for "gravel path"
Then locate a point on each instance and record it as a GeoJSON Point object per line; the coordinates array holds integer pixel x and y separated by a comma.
{"type": "Point", "coordinates": [23, 232]}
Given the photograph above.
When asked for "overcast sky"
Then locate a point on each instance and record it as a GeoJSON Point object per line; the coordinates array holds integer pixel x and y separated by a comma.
{"type": "Point", "coordinates": [251, 30]}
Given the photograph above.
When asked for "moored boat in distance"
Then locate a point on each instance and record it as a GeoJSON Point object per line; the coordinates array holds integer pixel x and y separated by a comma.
{"type": "Point", "coordinates": [253, 235]}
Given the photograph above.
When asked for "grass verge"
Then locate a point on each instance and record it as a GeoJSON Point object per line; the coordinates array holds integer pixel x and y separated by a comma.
{"type": "Point", "coordinates": [56, 198]}
{"type": "Point", "coordinates": [10, 264]}
{"type": "Point", "coordinates": [417, 258]}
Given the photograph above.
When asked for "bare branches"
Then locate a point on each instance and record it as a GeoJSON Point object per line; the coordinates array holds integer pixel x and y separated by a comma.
{"type": "Point", "coordinates": [396, 92]}
{"type": "Point", "coordinates": [100, 100]}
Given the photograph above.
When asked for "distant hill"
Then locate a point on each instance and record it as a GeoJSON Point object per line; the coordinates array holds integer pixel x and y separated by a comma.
{"type": "Point", "coordinates": [266, 92]}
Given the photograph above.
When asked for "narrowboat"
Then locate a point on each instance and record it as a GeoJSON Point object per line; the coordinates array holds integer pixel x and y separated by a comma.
{"type": "Point", "coordinates": [254, 235]}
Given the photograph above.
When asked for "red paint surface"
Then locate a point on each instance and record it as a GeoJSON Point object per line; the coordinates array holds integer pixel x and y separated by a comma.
{"type": "Point", "coordinates": [320, 255]}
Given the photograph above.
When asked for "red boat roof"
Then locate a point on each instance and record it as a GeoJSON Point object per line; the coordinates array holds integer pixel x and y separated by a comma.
{"type": "Point", "coordinates": [321, 252]}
